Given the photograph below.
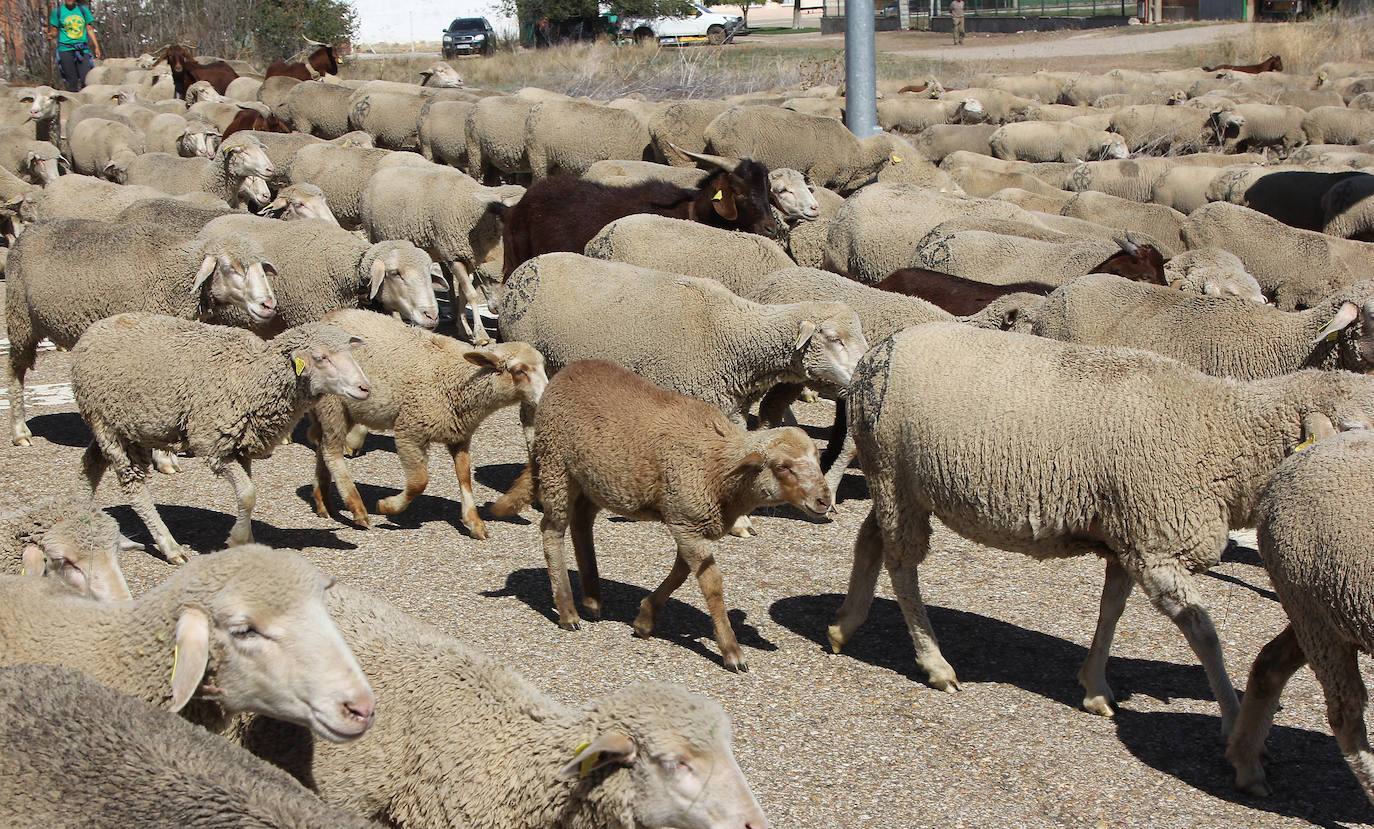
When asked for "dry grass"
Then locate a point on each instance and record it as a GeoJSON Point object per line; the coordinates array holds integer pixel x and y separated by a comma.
{"type": "Point", "coordinates": [603, 71]}
{"type": "Point", "coordinates": [1303, 46]}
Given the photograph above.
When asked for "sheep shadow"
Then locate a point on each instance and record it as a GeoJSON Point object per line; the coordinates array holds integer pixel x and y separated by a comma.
{"type": "Point", "coordinates": [678, 622]}
{"type": "Point", "coordinates": [422, 510]}
{"type": "Point", "coordinates": [1028, 659]}
{"type": "Point", "coordinates": [1311, 780]}
{"type": "Point", "coordinates": [206, 530]}
{"type": "Point", "coordinates": [498, 476]}
{"type": "Point", "coordinates": [65, 429]}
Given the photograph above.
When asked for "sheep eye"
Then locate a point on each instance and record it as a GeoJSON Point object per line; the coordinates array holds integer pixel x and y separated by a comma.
{"type": "Point", "coordinates": [244, 631]}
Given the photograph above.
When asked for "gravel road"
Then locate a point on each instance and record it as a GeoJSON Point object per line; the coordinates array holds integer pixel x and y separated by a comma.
{"type": "Point", "coordinates": [852, 740]}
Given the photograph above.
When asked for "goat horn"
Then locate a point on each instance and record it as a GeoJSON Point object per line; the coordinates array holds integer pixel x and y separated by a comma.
{"type": "Point", "coordinates": [1125, 244]}
{"type": "Point", "coordinates": [1131, 239]}
{"type": "Point", "coordinates": [726, 164]}
{"type": "Point", "coordinates": [313, 42]}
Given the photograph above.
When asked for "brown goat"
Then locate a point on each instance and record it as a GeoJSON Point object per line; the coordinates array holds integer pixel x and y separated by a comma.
{"type": "Point", "coordinates": [251, 119]}
{"type": "Point", "coordinates": [1273, 63]}
{"type": "Point", "coordinates": [606, 438]}
{"type": "Point", "coordinates": [322, 61]}
{"type": "Point", "coordinates": [185, 71]}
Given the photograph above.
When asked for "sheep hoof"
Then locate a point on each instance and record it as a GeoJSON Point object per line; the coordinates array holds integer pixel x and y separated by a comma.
{"type": "Point", "coordinates": [476, 526]}
{"type": "Point", "coordinates": [572, 625]}
{"type": "Point", "coordinates": [949, 686]}
{"type": "Point", "coordinates": [642, 630]}
{"type": "Point", "coordinates": [23, 442]}
{"type": "Point", "coordinates": [361, 521]}
{"type": "Point", "coordinates": [809, 396]}
{"type": "Point", "coordinates": [836, 638]}
{"type": "Point", "coordinates": [1102, 705]}
{"type": "Point", "coordinates": [591, 610]}
{"type": "Point", "coordinates": [1255, 786]}
{"type": "Point", "coordinates": [286, 440]}
{"type": "Point", "coordinates": [390, 506]}
{"type": "Point", "coordinates": [177, 554]}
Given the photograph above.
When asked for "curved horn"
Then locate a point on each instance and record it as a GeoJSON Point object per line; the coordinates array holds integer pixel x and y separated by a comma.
{"type": "Point", "coordinates": [726, 164]}
{"type": "Point", "coordinates": [1132, 239]}
{"type": "Point", "coordinates": [313, 42]}
{"type": "Point", "coordinates": [1125, 244]}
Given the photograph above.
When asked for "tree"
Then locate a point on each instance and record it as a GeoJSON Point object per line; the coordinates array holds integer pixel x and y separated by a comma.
{"type": "Point", "coordinates": [562, 13]}
{"type": "Point", "coordinates": [278, 25]}
{"type": "Point", "coordinates": [744, 7]}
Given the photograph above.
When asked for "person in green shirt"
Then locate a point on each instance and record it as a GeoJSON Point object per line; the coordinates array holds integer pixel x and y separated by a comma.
{"type": "Point", "coordinates": [70, 24]}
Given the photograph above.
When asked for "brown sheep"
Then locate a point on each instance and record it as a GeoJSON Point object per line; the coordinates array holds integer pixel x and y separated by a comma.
{"type": "Point", "coordinates": [606, 438]}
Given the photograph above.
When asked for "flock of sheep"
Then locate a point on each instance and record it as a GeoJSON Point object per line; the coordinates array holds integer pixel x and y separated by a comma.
{"type": "Point", "coordinates": [1117, 315]}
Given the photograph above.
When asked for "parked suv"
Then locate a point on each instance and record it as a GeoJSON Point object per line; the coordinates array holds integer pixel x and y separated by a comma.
{"type": "Point", "coordinates": [468, 36]}
{"type": "Point", "coordinates": [700, 23]}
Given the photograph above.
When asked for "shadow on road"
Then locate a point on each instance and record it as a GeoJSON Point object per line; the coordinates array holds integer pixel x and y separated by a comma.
{"type": "Point", "coordinates": [65, 429]}
{"type": "Point", "coordinates": [206, 530]}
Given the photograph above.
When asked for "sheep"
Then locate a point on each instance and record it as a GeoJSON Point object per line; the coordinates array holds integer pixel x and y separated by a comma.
{"type": "Point", "coordinates": [343, 172]}
{"type": "Point", "coordinates": [84, 197]}
{"type": "Point", "coordinates": [620, 172]}
{"type": "Point", "coordinates": [995, 105]}
{"type": "Point", "coordinates": [722, 349]}
{"type": "Point", "coordinates": [37, 162]}
{"type": "Point", "coordinates": [1057, 450]}
{"type": "Point", "coordinates": [822, 149]}
{"type": "Point", "coordinates": [1160, 128]}
{"type": "Point", "coordinates": [998, 259]}
{"type": "Point", "coordinates": [876, 231]}
{"type": "Point", "coordinates": [316, 108]}
{"type": "Point", "coordinates": [1162, 223]}
{"type": "Point", "coordinates": [1055, 141]}
{"type": "Point", "coordinates": [830, 107]}
{"type": "Point", "coordinates": [123, 362]}
{"type": "Point", "coordinates": [1265, 125]}
{"type": "Point", "coordinates": [649, 755]}
{"type": "Point", "coordinates": [1347, 209]}
{"type": "Point", "coordinates": [980, 179]}
{"type": "Point", "coordinates": [441, 75]}
{"type": "Point", "coordinates": [171, 214]}
{"type": "Point", "coordinates": [243, 89]}
{"type": "Point", "coordinates": [939, 140]}
{"type": "Point", "coordinates": [45, 110]}
{"type": "Point", "coordinates": [1221, 336]}
{"type": "Point", "coordinates": [738, 260]}
{"type": "Point", "coordinates": [236, 174]}
{"type": "Point", "coordinates": [568, 136]}
{"type": "Point", "coordinates": [427, 389]}
{"type": "Point", "coordinates": [1212, 271]}
{"type": "Point", "coordinates": [102, 147]}
{"type": "Point", "coordinates": [71, 747]}
{"type": "Point", "coordinates": [1134, 178]}
{"type": "Point", "coordinates": [172, 134]}
{"type": "Point", "coordinates": [913, 115]}
{"type": "Point", "coordinates": [495, 134]}
{"type": "Point", "coordinates": [1293, 195]}
{"type": "Point", "coordinates": [1182, 189]}
{"type": "Point", "coordinates": [273, 93]}
{"type": "Point", "coordinates": [1297, 268]}
{"type": "Point", "coordinates": [250, 622]}
{"type": "Point", "coordinates": [442, 134]}
{"type": "Point", "coordinates": [457, 223]}
{"type": "Point", "coordinates": [282, 147]}
{"type": "Point", "coordinates": [123, 268]}
{"type": "Point", "coordinates": [1314, 530]}
{"type": "Point", "coordinates": [1338, 125]}
{"type": "Point", "coordinates": [682, 126]}
{"type": "Point", "coordinates": [71, 540]}
{"type": "Point", "coordinates": [321, 267]}
{"type": "Point", "coordinates": [391, 118]}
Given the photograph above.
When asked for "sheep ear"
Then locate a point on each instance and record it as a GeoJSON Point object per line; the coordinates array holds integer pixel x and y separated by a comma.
{"type": "Point", "coordinates": [1346, 314]}
{"type": "Point", "coordinates": [751, 462]}
{"type": "Point", "coordinates": [1211, 288]}
{"type": "Point", "coordinates": [1316, 426]}
{"type": "Point", "coordinates": [190, 655]}
{"type": "Point", "coordinates": [804, 333]}
{"type": "Point", "coordinates": [378, 276]}
{"type": "Point", "coordinates": [34, 562]}
{"type": "Point", "coordinates": [207, 267]}
{"type": "Point", "coordinates": [483, 359]}
{"type": "Point", "coordinates": [612, 747]}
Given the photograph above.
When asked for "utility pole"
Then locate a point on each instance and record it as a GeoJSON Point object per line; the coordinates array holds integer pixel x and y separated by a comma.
{"type": "Point", "coordinates": [860, 72]}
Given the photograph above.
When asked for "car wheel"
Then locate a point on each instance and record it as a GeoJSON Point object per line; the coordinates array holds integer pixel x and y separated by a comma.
{"type": "Point", "coordinates": [645, 37]}
{"type": "Point", "coordinates": [715, 35]}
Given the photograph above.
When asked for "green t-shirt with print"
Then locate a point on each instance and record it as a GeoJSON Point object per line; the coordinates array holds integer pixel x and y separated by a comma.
{"type": "Point", "coordinates": [71, 25]}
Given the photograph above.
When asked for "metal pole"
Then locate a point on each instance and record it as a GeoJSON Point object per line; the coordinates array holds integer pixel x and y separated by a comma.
{"type": "Point", "coordinates": [860, 72]}
{"type": "Point", "coordinates": [904, 14]}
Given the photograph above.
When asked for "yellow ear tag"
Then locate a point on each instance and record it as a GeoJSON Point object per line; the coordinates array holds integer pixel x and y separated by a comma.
{"type": "Point", "coordinates": [1332, 337]}
{"type": "Point", "coordinates": [718, 196]}
{"type": "Point", "coordinates": [587, 762]}
{"type": "Point", "coordinates": [896, 159]}
{"type": "Point", "coordinates": [1304, 444]}
{"type": "Point", "coordinates": [299, 364]}
{"type": "Point", "coordinates": [175, 653]}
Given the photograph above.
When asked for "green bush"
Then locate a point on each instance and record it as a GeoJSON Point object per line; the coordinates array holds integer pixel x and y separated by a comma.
{"type": "Point", "coordinates": [278, 25]}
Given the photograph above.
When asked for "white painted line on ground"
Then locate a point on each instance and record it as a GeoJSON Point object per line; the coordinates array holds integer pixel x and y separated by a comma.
{"type": "Point", "coordinates": [44, 394]}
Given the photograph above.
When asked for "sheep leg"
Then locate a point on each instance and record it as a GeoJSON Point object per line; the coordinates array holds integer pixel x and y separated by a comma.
{"type": "Point", "coordinates": [653, 603]}
{"type": "Point", "coordinates": [414, 461]}
{"type": "Point", "coordinates": [477, 331]}
{"type": "Point", "coordinates": [462, 466]}
{"type": "Point", "coordinates": [357, 435]}
{"type": "Point", "coordinates": [23, 351]}
{"type": "Point", "coordinates": [331, 462]}
{"type": "Point", "coordinates": [1173, 593]}
{"type": "Point", "coordinates": [584, 512]}
{"type": "Point", "coordinates": [697, 553]}
{"type": "Point", "coordinates": [553, 526]}
{"type": "Point", "coordinates": [1116, 588]}
{"type": "Point", "coordinates": [902, 557]}
{"type": "Point", "coordinates": [238, 472]}
{"type": "Point", "coordinates": [1275, 665]}
{"type": "Point", "coordinates": [131, 470]}
{"type": "Point", "coordinates": [743, 527]}
{"type": "Point", "coordinates": [835, 476]}
{"type": "Point", "coordinates": [1337, 668]}
{"type": "Point", "coordinates": [863, 580]}
{"type": "Point", "coordinates": [165, 461]}
{"type": "Point", "coordinates": [773, 407]}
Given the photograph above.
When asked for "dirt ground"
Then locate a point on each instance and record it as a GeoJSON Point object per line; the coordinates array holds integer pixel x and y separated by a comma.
{"type": "Point", "coordinates": [852, 740]}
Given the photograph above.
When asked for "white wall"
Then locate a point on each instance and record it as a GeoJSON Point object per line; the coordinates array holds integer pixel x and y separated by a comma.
{"type": "Point", "coordinates": [397, 21]}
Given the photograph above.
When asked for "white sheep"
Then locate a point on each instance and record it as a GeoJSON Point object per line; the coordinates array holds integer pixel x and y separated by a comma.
{"type": "Point", "coordinates": [84, 197]}
{"type": "Point", "coordinates": [142, 382]}
{"type": "Point", "coordinates": [501, 754]}
{"type": "Point", "coordinates": [342, 172]}
{"type": "Point", "coordinates": [37, 162]}
{"type": "Point", "coordinates": [739, 261]}
{"type": "Point", "coordinates": [100, 147]}
{"type": "Point", "coordinates": [70, 540]}
{"type": "Point", "coordinates": [72, 748]}
{"type": "Point", "coordinates": [316, 108]}
{"type": "Point", "coordinates": [442, 134]}
{"type": "Point", "coordinates": [495, 133]}
{"type": "Point", "coordinates": [1057, 450]}
{"type": "Point", "coordinates": [569, 136]}
{"type": "Point", "coordinates": [124, 268]}
{"type": "Point", "coordinates": [1055, 141]}
{"type": "Point", "coordinates": [1212, 271]}
{"type": "Point", "coordinates": [245, 629]}
{"type": "Point", "coordinates": [237, 173]}
{"type": "Point", "coordinates": [1314, 538]}
{"type": "Point", "coordinates": [427, 389]}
